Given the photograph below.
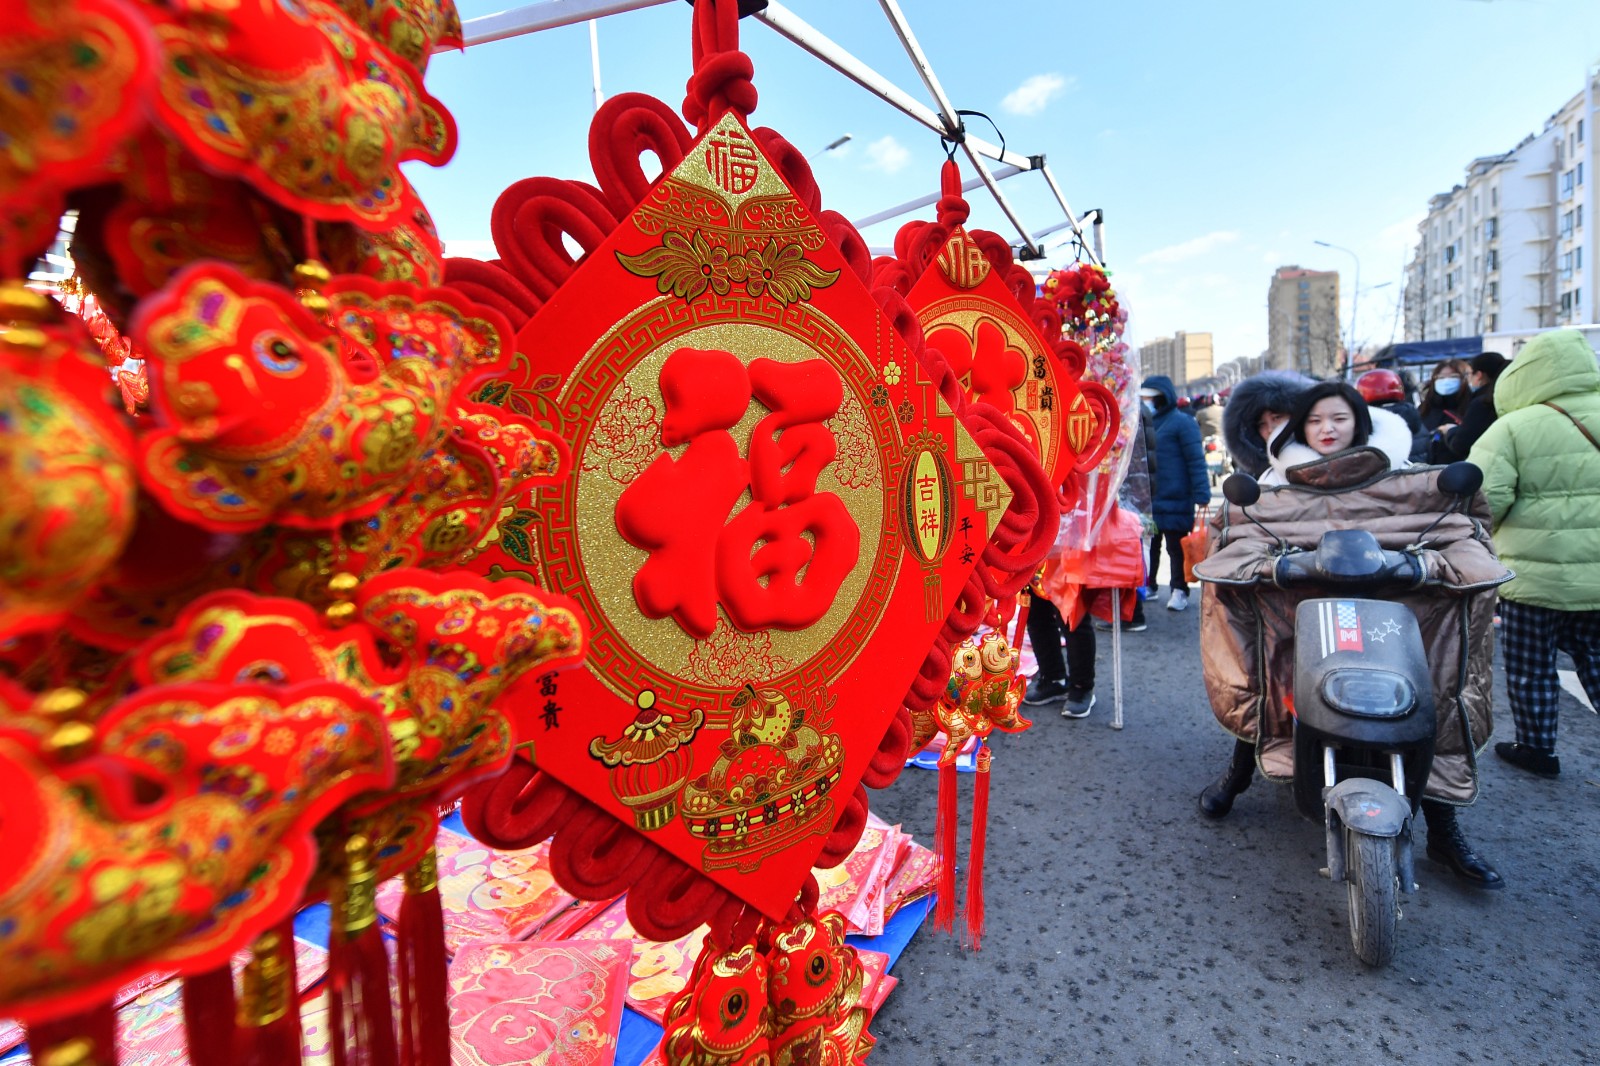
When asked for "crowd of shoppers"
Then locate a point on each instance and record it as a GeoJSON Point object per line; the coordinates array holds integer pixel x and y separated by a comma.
{"type": "Point", "coordinates": [1531, 423]}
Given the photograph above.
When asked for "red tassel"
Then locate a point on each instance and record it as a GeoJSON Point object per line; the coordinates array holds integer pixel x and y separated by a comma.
{"type": "Point", "coordinates": [88, 1038]}
{"type": "Point", "coordinates": [1025, 604]}
{"type": "Point", "coordinates": [980, 832]}
{"type": "Point", "coordinates": [208, 1017]}
{"type": "Point", "coordinates": [424, 987]}
{"type": "Point", "coordinates": [944, 846]}
{"type": "Point", "coordinates": [359, 1019]}
{"type": "Point", "coordinates": [268, 1018]}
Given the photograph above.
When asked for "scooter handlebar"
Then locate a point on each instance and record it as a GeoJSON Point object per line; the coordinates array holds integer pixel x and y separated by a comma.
{"type": "Point", "coordinates": [1402, 570]}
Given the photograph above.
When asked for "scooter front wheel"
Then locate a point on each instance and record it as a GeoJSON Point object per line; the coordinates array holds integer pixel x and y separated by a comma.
{"type": "Point", "coordinates": [1373, 889]}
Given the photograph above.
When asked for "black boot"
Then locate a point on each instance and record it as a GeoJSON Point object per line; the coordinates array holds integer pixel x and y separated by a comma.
{"type": "Point", "coordinates": [1448, 846]}
{"type": "Point", "coordinates": [1217, 799]}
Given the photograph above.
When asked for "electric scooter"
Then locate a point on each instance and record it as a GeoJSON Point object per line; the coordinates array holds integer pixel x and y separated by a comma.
{"type": "Point", "coordinates": [1364, 722]}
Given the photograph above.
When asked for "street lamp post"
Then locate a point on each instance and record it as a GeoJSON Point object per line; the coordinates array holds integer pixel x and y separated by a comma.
{"type": "Point", "coordinates": [1355, 297]}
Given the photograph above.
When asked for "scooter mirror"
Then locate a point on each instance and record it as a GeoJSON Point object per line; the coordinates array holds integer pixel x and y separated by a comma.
{"type": "Point", "coordinates": [1241, 490]}
{"type": "Point", "coordinates": [1458, 479]}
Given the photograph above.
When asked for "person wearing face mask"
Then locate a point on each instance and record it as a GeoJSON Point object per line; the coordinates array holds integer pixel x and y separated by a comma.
{"type": "Point", "coordinates": [1181, 480]}
{"type": "Point", "coordinates": [1444, 399]}
{"type": "Point", "coordinates": [1455, 442]}
{"type": "Point", "coordinates": [1335, 444]}
{"type": "Point", "coordinates": [1256, 407]}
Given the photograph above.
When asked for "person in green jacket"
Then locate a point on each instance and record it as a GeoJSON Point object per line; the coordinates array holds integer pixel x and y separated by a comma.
{"type": "Point", "coordinates": [1541, 467]}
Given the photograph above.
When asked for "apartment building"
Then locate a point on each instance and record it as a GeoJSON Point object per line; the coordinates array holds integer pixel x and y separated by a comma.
{"type": "Point", "coordinates": [1183, 357]}
{"type": "Point", "coordinates": [1508, 249]}
{"type": "Point", "coordinates": [1303, 322]}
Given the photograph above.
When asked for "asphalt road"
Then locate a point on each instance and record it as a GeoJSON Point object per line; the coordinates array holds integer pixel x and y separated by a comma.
{"type": "Point", "coordinates": [1125, 928]}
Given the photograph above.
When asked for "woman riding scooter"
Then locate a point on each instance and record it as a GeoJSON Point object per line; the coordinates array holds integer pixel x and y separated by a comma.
{"type": "Point", "coordinates": [1334, 453]}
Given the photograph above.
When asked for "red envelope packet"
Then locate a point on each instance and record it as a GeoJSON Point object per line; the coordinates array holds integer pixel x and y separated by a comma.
{"type": "Point", "coordinates": [561, 1000]}
{"type": "Point", "coordinates": [912, 881]}
{"type": "Point", "coordinates": [847, 888]}
{"type": "Point", "coordinates": [657, 972]}
{"type": "Point", "coordinates": [874, 965]}
{"type": "Point", "coordinates": [881, 993]}
{"type": "Point", "coordinates": [487, 894]}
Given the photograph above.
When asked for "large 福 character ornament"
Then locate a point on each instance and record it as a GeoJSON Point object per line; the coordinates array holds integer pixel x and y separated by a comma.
{"type": "Point", "coordinates": [733, 519]}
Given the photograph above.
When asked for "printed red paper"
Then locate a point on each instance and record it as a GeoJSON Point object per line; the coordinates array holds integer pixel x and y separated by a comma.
{"type": "Point", "coordinates": [657, 971]}
{"type": "Point", "coordinates": [554, 1003]}
{"type": "Point", "coordinates": [487, 894]}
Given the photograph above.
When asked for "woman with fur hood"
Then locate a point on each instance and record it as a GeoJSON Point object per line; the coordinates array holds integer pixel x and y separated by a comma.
{"type": "Point", "coordinates": [1256, 407]}
{"type": "Point", "coordinates": [1332, 417]}
{"type": "Point", "coordinates": [1330, 422]}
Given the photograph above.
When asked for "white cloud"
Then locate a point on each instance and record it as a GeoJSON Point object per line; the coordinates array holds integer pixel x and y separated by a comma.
{"type": "Point", "coordinates": [1033, 95]}
{"type": "Point", "coordinates": [471, 249]}
{"type": "Point", "coordinates": [888, 155]}
{"type": "Point", "coordinates": [1272, 258]}
{"type": "Point", "coordinates": [1190, 249]}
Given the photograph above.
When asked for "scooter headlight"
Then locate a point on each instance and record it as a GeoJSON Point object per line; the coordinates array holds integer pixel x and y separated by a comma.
{"type": "Point", "coordinates": [1369, 693]}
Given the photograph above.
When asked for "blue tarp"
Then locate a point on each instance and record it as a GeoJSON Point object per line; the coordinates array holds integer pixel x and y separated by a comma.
{"type": "Point", "coordinates": [1420, 353]}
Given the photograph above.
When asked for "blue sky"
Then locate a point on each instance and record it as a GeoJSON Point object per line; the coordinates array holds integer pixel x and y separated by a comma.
{"type": "Point", "coordinates": [1220, 137]}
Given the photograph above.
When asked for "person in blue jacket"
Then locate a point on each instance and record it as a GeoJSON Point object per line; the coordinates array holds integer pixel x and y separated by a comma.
{"type": "Point", "coordinates": [1181, 480]}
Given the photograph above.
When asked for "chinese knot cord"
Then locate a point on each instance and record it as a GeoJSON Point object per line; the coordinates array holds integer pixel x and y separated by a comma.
{"type": "Point", "coordinates": [890, 758]}
{"type": "Point", "coordinates": [851, 823]}
{"type": "Point", "coordinates": [492, 286]}
{"type": "Point", "coordinates": [269, 1031]}
{"type": "Point", "coordinates": [636, 124]}
{"type": "Point", "coordinates": [519, 808]}
{"type": "Point", "coordinates": [423, 967]}
{"type": "Point", "coordinates": [722, 77]}
{"type": "Point", "coordinates": [952, 209]}
{"type": "Point", "coordinates": [208, 1017]}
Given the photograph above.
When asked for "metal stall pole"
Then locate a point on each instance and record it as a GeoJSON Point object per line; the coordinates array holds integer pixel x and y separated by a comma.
{"type": "Point", "coordinates": [932, 198]}
{"type": "Point", "coordinates": [952, 121]}
{"type": "Point", "coordinates": [531, 18]}
{"type": "Point", "coordinates": [1097, 253]}
{"type": "Point", "coordinates": [1116, 658]}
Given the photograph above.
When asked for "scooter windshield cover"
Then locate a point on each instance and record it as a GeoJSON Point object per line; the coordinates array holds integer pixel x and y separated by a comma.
{"type": "Point", "coordinates": [1369, 693]}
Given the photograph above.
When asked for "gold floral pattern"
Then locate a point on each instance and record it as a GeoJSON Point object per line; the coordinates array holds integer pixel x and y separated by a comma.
{"type": "Point", "coordinates": [686, 266]}
{"type": "Point", "coordinates": [730, 655]}
{"type": "Point", "coordinates": [625, 436]}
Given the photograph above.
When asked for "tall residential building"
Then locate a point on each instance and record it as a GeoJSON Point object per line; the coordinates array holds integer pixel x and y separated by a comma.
{"type": "Point", "coordinates": [1507, 249]}
{"type": "Point", "coordinates": [1303, 322]}
{"type": "Point", "coordinates": [1183, 357]}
